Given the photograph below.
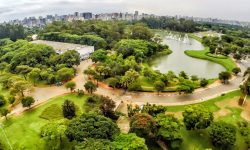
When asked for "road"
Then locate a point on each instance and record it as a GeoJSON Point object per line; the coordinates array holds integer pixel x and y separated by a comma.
{"type": "Point", "coordinates": [43, 94]}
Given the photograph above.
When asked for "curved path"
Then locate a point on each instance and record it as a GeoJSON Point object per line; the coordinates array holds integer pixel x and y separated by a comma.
{"type": "Point", "coordinates": [43, 94]}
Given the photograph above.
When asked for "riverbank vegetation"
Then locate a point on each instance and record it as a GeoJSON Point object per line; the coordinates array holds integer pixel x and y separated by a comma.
{"type": "Point", "coordinates": [226, 62]}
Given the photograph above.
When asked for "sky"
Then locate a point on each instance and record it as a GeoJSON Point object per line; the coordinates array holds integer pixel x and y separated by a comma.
{"type": "Point", "coordinates": [223, 9]}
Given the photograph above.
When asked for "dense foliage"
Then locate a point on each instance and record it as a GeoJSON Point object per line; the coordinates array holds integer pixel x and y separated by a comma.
{"type": "Point", "coordinates": [53, 134]}
{"type": "Point", "coordinates": [27, 101]}
{"type": "Point", "coordinates": [91, 32]}
{"type": "Point", "coordinates": [91, 126]}
{"type": "Point", "coordinates": [129, 141]}
{"type": "Point", "coordinates": [181, 25]}
{"type": "Point", "coordinates": [87, 39]}
{"type": "Point", "coordinates": [143, 125]}
{"type": "Point", "coordinates": [69, 109]}
{"type": "Point", "coordinates": [169, 130]}
{"type": "Point", "coordinates": [223, 134]}
{"type": "Point", "coordinates": [197, 117]}
{"type": "Point", "coordinates": [228, 44]}
{"type": "Point", "coordinates": [38, 62]}
{"type": "Point", "coordinates": [14, 32]}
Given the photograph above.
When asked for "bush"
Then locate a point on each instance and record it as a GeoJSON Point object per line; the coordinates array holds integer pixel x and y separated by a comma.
{"type": "Point", "coordinates": [136, 86]}
{"type": "Point", "coordinates": [203, 82]}
{"type": "Point", "coordinates": [222, 134]}
{"type": "Point", "coordinates": [27, 101]}
{"type": "Point", "coordinates": [80, 93]}
{"type": "Point", "coordinates": [92, 99]}
{"type": "Point", "coordinates": [2, 100]}
{"type": "Point", "coordinates": [11, 100]}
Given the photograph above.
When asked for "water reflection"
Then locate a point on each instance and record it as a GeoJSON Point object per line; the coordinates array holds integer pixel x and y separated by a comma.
{"type": "Point", "coordinates": [178, 61]}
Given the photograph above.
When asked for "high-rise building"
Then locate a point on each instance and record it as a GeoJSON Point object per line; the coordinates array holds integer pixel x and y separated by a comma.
{"type": "Point", "coordinates": [87, 15]}
{"type": "Point", "coordinates": [76, 14]}
{"type": "Point", "coordinates": [136, 15]}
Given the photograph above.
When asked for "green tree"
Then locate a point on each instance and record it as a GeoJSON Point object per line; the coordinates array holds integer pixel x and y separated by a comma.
{"type": "Point", "coordinates": [203, 82]}
{"type": "Point", "coordinates": [224, 76]}
{"type": "Point", "coordinates": [140, 31]}
{"type": "Point", "coordinates": [53, 134]}
{"type": "Point", "coordinates": [20, 86]}
{"type": "Point", "coordinates": [3, 66]}
{"type": "Point", "coordinates": [70, 85]}
{"type": "Point", "coordinates": [153, 110]}
{"type": "Point", "coordinates": [70, 58]}
{"type": "Point", "coordinates": [222, 134]}
{"type": "Point", "coordinates": [107, 107]}
{"type": "Point", "coordinates": [27, 101]}
{"type": "Point", "coordinates": [99, 55]}
{"type": "Point", "coordinates": [34, 75]}
{"type": "Point", "coordinates": [69, 109]}
{"type": "Point", "coordinates": [24, 70]}
{"type": "Point", "coordinates": [236, 70]}
{"type": "Point", "coordinates": [197, 117]}
{"type": "Point", "coordinates": [186, 86]}
{"type": "Point", "coordinates": [11, 100]}
{"type": "Point", "coordinates": [2, 100]}
{"type": "Point", "coordinates": [90, 87]}
{"type": "Point", "coordinates": [4, 112]}
{"type": "Point", "coordinates": [194, 78]}
{"type": "Point", "coordinates": [169, 130]}
{"type": "Point", "coordinates": [65, 74]}
{"type": "Point", "coordinates": [99, 144]}
{"type": "Point", "coordinates": [143, 125]}
{"type": "Point", "coordinates": [113, 82]}
{"type": "Point", "coordinates": [159, 86]}
{"type": "Point", "coordinates": [91, 126]}
{"type": "Point", "coordinates": [183, 74]}
{"type": "Point", "coordinates": [129, 142]}
{"type": "Point", "coordinates": [129, 77]}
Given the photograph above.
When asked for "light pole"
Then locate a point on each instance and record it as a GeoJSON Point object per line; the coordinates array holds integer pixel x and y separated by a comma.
{"type": "Point", "coordinates": [2, 127]}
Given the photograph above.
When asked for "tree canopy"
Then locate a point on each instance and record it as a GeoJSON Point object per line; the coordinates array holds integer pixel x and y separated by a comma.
{"type": "Point", "coordinates": [91, 126]}
{"type": "Point", "coordinates": [197, 117]}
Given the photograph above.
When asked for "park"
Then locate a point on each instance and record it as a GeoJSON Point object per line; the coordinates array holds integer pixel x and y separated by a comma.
{"type": "Point", "coordinates": [158, 77]}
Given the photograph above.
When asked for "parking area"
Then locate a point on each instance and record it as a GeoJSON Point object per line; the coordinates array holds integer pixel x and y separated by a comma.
{"type": "Point", "coordinates": [61, 47]}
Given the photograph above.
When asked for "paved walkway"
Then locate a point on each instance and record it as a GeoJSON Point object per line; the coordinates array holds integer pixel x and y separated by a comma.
{"type": "Point", "coordinates": [42, 95]}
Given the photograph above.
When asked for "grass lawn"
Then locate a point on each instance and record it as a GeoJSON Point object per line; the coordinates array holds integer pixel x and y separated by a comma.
{"type": "Point", "coordinates": [210, 103]}
{"type": "Point", "coordinates": [226, 62]}
{"type": "Point", "coordinates": [23, 131]}
{"type": "Point", "coordinates": [200, 139]}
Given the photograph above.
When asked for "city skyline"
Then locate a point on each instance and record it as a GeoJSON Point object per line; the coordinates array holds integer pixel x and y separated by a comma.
{"type": "Point", "coordinates": [234, 10]}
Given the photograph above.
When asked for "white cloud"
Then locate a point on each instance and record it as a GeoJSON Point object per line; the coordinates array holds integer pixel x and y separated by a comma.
{"type": "Point", "coordinates": [229, 9]}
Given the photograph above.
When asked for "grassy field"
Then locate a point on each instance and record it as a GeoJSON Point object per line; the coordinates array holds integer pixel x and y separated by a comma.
{"type": "Point", "coordinates": [210, 103]}
{"type": "Point", "coordinates": [226, 62]}
{"type": "Point", "coordinates": [23, 131]}
{"type": "Point", "coordinates": [198, 140]}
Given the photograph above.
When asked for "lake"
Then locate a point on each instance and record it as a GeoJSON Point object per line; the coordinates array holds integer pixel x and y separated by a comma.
{"type": "Point", "coordinates": [178, 61]}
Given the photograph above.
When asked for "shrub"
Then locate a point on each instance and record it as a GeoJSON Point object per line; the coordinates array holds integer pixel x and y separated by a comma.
{"type": "Point", "coordinates": [27, 101]}
{"type": "Point", "coordinates": [203, 82]}
{"type": "Point", "coordinates": [69, 109]}
{"type": "Point", "coordinates": [2, 100]}
{"type": "Point", "coordinates": [80, 93]}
